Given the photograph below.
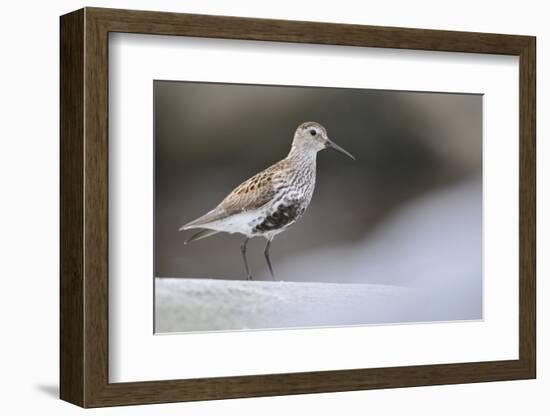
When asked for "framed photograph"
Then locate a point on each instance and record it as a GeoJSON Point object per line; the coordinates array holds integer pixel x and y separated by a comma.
{"type": "Point", "coordinates": [257, 207]}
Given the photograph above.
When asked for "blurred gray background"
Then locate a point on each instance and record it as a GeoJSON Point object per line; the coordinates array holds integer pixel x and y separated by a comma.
{"type": "Point", "coordinates": [407, 212]}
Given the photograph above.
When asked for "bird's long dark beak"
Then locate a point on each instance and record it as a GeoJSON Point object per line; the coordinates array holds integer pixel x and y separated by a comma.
{"type": "Point", "coordinates": [331, 145]}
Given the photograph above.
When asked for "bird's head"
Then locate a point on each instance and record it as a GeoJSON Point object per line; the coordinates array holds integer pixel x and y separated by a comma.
{"type": "Point", "coordinates": [312, 137]}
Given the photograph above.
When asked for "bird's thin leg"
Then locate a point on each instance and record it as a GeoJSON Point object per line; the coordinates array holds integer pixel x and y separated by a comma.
{"type": "Point", "coordinates": [243, 252]}
{"type": "Point", "coordinates": [266, 253]}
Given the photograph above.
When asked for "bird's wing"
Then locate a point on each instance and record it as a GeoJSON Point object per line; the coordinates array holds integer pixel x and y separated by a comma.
{"type": "Point", "coordinates": [249, 195]}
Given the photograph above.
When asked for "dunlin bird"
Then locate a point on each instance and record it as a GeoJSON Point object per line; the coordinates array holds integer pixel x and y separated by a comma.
{"type": "Point", "coordinates": [272, 200]}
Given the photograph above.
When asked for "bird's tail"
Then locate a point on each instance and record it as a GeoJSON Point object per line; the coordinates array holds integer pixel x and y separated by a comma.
{"type": "Point", "coordinates": [200, 235]}
{"type": "Point", "coordinates": [203, 222]}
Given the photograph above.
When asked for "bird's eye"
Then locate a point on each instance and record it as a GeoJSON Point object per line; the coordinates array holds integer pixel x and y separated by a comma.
{"type": "Point", "coordinates": [313, 132]}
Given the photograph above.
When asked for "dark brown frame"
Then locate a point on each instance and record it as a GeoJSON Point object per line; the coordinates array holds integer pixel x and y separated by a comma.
{"type": "Point", "coordinates": [84, 214]}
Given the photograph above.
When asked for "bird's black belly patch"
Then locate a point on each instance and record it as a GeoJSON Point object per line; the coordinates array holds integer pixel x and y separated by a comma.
{"type": "Point", "coordinates": [284, 215]}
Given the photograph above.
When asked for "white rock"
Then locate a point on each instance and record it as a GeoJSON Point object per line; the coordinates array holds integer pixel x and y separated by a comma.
{"type": "Point", "coordinates": [208, 305]}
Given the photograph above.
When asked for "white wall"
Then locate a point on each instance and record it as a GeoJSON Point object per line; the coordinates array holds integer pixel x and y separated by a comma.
{"type": "Point", "coordinates": [29, 209]}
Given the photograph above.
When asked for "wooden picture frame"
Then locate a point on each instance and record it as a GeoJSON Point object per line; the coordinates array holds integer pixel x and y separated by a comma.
{"type": "Point", "coordinates": [84, 207]}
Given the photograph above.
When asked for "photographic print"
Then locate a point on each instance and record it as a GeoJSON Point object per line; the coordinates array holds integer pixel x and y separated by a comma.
{"type": "Point", "coordinates": [282, 207]}
{"type": "Point", "coordinates": [357, 203]}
